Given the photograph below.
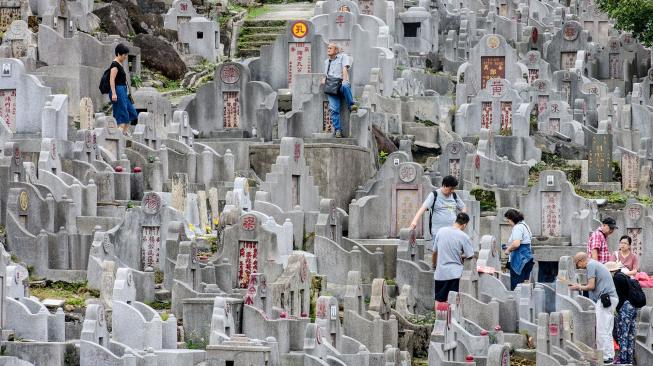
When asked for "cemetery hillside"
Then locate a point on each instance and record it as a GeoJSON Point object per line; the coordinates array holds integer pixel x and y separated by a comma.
{"type": "Point", "coordinates": [326, 183]}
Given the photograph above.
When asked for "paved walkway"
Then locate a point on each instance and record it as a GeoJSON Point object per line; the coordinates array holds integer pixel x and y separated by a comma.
{"type": "Point", "coordinates": [288, 11]}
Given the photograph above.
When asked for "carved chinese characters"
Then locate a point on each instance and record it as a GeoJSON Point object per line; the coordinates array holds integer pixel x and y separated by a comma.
{"type": "Point", "coordinates": [551, 225]}
{"type": "Point", "coordinates": [629, 171]}
{"type": "Point", "coordinates": [247, 261]}
{"type": "Point", "coordinates": [407, 203]}
{"type": "Point", "coordinates": [492, 67]}
{"type": "Point", "coordinates": [299, 60]}
{"type": "Point", "coordinates": [8, 107]}
{"type": "Point", "coordinates": [231, 109]}
{"type": "Point", "coordinates": [150, 246]}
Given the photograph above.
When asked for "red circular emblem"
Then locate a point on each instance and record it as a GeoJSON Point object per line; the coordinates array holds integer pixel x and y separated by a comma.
{"type": "Point", "coordinates": [230, 74]}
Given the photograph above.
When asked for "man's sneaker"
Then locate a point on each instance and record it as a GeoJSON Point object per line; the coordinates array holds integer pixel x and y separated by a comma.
{"type": "Point", "coordinates": [609, 361]}
{"type": "Point", "coordinates": [338, 134]}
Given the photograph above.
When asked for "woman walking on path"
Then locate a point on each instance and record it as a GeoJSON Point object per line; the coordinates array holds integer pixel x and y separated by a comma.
{"type": "Point", "coordinates": [123, 109]}
{"type": "Point", "coordinates": [519, 248]}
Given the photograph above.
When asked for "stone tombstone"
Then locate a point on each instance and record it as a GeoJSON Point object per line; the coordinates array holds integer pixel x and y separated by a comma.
{"type": "Point", "coordinates": [299, 53]}
{"type": "Point", "coordinates": [300, 50]}
{"type": "Point", "coordinates": [327, 317]}
{"type": "Point", "coordinates": [86, 114]}
{"type": "Point", "coordinates": [452, 160]}
{"type": "Point", "coordinates": [629, 171]}
{"type": "Point", "coordinates": [11, 11]}
{"type": "Point", "coordinates": [540, 93]}
{"type": "Point", "coordinates": [568, 84]}
{"type": "Point", "coordinates": [258, 293]}
{"type": "Point", "coordinates": [49, 156]}
{"type": "Point", "coordinates": [595, 22]}
{"type": "Point", "coordinates": [499, 104]}
{"type": "Point", "coordinates": [491, 58]}
{"type": "Point", "coordinates": [151, 230]}
{"type": "Point", "coordinates": [636, 220]}
{"type": "Point", "coordinates": [179, 191]}
{"type": "Point", "coordinates": [291, 291]}
{"type": "Point", "coordinates": [537, 67]}
{"type": "Point", "coordinates": [561, 51]}
{"type": "Point", "coordinates": [17, 91]}
{"type": "Point", "coordinates": [329, 222]}
{"type": "Point", "coordinates": [231, 85]}
{"type": "Point", "coordinates": [599, 159]}
{"type": "Point", "coordinates": [181, 12]}
{"type": "Point", "coordinates": [553, 116]}
{"type": "Point", "coordinates": [252, 248]}
{"type": "Point", "coordinates": [406, 198]}
{"type": "Point", "coordinates": [20, 39]}
{"type": "Point", "coordinates": [289, 182]}
{"type": "Point", "coordinates": [379, 299]}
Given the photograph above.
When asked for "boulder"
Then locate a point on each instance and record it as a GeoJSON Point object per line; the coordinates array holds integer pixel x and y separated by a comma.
{"type": "Point", "coordinates": [114, 19]}
{"type": "Point", "coordinates": [157, 54]}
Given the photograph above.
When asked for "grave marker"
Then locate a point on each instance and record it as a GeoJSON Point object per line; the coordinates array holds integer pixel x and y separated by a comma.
{"type": "Point", "coordinates": [629, 171]}
{"type": "Point", "coordinates": [299, 59]}
{"type": "Point", "coordinates": [231, 109]}
{"type": "Point", "coordinates": [551, 225]}
{"type": "Point", "coordinates": [600, 158]}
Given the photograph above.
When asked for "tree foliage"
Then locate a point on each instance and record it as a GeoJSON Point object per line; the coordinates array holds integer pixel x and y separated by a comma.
{"type": "Point", "coordinates": [634, 16]}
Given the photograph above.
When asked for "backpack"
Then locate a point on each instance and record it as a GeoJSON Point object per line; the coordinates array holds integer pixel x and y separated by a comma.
{"type": "Point", "coordinates": [435, 198]}
{"type": "Point", "coordinates": [105, 87]}
{"type": "Point", "coordinates": [636, 296]}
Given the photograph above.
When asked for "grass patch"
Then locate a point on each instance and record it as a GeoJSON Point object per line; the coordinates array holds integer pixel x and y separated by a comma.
{"type": "Point", "coordinates": [426, 319]}
{"type": "Point", "coordinates": [256, 12]}
{"type": "Point", "coordinates": [425, 122]}
{"type": "Point", "coordinates": [552, 161]}
{"type": "Point", "coordinates": [72, 293]}
{"type": "Point", "coordinates": [159, 305]}
{"type": "Point", "coordinates": [486, 198]}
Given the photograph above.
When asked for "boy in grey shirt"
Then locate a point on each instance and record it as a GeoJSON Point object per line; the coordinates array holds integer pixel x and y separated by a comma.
{"type": "Point", "coordinates": [447, 205]}
{"type": "Point", "coordinates": [450, 247]}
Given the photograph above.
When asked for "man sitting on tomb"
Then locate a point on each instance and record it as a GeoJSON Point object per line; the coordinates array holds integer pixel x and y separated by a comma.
{"type": "Point", "coordinates": [597, 246]}
{"type": "Point", "coordinates": [336, 84]}
{"type": "Point", "coordinates": [450, 247]}
{"type": "Point", "coordinates": [603, 292]}
{"type": "Point", "coordinates": [443, 203]}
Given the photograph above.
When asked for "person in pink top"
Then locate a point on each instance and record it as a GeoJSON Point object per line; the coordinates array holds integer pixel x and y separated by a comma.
{"type": "Point", "coordinates": [597, 246]}
{"type": "Point", "coordinates": [626, 256]}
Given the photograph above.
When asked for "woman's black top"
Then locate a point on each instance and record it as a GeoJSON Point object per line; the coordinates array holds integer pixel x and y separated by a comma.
{"type": "Point", "coordinates": [622, 287]}
{"type": "Point", "coordinates": [121, 77]}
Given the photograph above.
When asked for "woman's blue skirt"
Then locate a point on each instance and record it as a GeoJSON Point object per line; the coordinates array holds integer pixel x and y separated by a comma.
{"type": "Point", "coordinates": [123, 109]}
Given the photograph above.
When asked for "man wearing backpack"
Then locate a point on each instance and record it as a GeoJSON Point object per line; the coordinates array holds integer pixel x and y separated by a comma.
{"type": "Point", "coordinates": [443, 203]}
{"type": "Point", "coordinates": [602, 291]}
{"type": "Point", "coordinates": [631, 298]}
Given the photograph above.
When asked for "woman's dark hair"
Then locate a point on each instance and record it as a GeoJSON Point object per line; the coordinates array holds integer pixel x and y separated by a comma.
{"type": "Point", "coordinates": [630, 241]}
{"type": "Point", "coordinates": [121, 49]}
{"type": "Point", "coordinates": [514, 216]}
{"type": "Point", "coordinates": [450, 181]}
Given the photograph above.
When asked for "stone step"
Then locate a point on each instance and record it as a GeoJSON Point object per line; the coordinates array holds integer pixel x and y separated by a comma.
{"type": "Point", "coordinates": [267, 37]}
{"type": "Point", "coordinates": [249, 52]}
{"type": "Point", "coordinates": [252, 44]}
{"type": "Point", "coordinates": [261, 30]}
{"type": "Point", "coordinates": [264, 23]}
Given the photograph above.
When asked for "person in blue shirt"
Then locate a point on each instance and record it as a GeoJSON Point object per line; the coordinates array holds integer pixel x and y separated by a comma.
{"type": "Point", "coordinates": [519, 248]}
{"type": "Point", "coordinates": [337, 65]}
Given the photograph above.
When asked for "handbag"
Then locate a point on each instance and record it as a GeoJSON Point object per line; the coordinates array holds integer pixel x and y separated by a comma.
{"type": "Point", "coordinates": [332, 84]}
{"type": "Point", "coordinates": [605, 300]}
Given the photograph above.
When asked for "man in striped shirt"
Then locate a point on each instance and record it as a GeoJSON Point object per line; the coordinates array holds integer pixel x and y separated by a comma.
{"type": "Point", "coordinates": [597, 246]}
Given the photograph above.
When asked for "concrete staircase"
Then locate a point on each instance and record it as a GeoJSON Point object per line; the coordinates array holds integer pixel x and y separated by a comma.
{"type": "Point", "coordinates": [256, 33]}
